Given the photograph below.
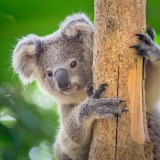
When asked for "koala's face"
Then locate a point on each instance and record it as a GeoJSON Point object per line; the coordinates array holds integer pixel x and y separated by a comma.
{"type": "Point", "coordinates": [60, 62]}
{"type": "Point", "coordinates": [64, 66]}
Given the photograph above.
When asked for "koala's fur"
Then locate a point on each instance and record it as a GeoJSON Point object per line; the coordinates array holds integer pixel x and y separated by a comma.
{"type": "Point", "coordinates": [51, 61]}
{"type": "Point", "coordinates": [61, 63]}
{"type": "Point", "coordinates": [151, 51]}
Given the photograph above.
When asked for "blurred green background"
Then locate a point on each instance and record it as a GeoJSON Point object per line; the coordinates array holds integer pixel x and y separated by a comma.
{"type": "Point", "coordinates": [28, 117]}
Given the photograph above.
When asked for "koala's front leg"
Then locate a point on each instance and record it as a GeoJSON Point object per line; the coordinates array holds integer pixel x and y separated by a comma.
{"type": "Point", "coordinates": [95, 107]}
{"type": "Point", "coordinates": [81, 118]}
{"type": "Point", "coordinates": [148, 48]}
{"type": "Point", "coordinates": [78, 121]}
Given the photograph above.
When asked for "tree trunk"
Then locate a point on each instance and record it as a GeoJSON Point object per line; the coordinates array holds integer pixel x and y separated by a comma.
{"type": "Point", "coordinates": [125, 137]}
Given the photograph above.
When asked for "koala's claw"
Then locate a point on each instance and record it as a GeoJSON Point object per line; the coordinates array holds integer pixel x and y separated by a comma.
{"type": "Point", "coordinates": [125, 110]}
{"type": "Point", "coordinates": [135, 46]}
{"type": "Point", "coordinates": [143, 50]}
{"type": "Point", "coordinates": [140, 36]}
{"type": "Point", "coordinates": [103, 85]}
{"type": "Point", "coordinates": [89, 89]}
{"type": "Point", "coordinates": [145, 38]}
{"type": "Point", "coordinates": [121, 101]}
{"type": "Point", "coordinates": [151, 32]}
{"type": "Point", "coordinates": [148, 48]}
{"type": "Point", "coordinates": [122, 110]}
{"type": "Point", "coordinates": [99, 90]}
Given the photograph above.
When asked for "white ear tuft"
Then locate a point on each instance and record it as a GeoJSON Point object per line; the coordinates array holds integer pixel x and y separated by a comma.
{"type": "Point", "coordinates": [25, 56]}
{"type": "Point", "coordinates": [78, 27]}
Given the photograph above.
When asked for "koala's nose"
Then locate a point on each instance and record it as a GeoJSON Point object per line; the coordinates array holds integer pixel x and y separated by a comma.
{"type": "Point", "coordinates": [62, 79]}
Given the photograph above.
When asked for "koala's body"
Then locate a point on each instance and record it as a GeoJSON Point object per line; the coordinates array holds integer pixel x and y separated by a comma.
{"type": "Point", "coordinates": [151, 52]}
{"type": "Point", "coordinates": [61, 63]}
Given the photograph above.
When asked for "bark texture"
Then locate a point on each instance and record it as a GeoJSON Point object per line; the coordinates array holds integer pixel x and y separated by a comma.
{"type": "Point", "coordinates": [125, 137]}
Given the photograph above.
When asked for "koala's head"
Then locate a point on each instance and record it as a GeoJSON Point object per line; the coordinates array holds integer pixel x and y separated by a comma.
{"type": "Point", "coordinates": [60, 62]}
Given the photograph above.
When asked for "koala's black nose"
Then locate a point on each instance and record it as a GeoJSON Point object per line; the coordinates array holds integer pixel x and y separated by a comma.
{"type": "Point", "coordinates": [62, 79]}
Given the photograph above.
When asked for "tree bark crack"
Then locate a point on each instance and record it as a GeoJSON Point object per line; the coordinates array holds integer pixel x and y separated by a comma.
{"type": "Point", "coordinates": [115, 26]}
{"type": "Point", "coordinates": [116, 146]}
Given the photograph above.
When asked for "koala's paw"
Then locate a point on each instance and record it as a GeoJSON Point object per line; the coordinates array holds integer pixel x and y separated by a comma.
{"type": "Point", "coordinates": [108, 106]}
{"type": "Point", "coordinates": [102, 107]}
{"type": "Point", "coordinates": [148, 48]}
{"type": "Point", "coordinates": [98, 91]}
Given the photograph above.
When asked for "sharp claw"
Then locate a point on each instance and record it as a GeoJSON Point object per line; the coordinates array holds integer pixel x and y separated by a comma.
{"type": "Point", "coordinates": [121, 101]}
{"type": "Point", "coordinates": [89, 89]}
{"type": "Point", "coordinates": [99, 90]}
{"type": "Point", "coordinates": [139, 35]}
{"type": "Point", "coordinates": [136, 46]}
{"type": "Point", "coordinates": [104, 85]}
{"type": "Point", "coordinates": [151, 32]}
{"type": "Point", "coordinates": [125, 110]}
{"type": "Point", "coordinates": [133, 46]}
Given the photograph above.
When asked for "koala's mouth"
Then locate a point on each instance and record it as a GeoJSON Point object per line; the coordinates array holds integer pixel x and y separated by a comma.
{"type": "Point", "coordinates": [70, 89]}
{"type": "Point", "coordinates": [66, 88]}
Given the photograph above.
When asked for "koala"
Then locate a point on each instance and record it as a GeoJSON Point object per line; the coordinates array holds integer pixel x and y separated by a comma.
{"type": "Point", "coordinates": [151, 52]}
{"type": "Point", "coordinates": [61, 63]}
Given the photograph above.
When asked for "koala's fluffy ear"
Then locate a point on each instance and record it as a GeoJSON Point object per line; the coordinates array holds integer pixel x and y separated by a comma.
{"type": "Point", "coordinates": [78, 27]}
{"type": "Point", "coordinates": [25, 57]}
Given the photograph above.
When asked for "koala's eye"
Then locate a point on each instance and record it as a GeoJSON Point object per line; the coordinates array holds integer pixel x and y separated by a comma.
{"type": "Point", "coordinates": [49, 73]}
{"type": "Point", "coordinates": [73, 64]}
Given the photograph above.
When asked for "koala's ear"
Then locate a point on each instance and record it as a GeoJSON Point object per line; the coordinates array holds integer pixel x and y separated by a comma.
{"type": "Point", "coordinates": [25, 57]}
{"type": "Point", "coordinates": [78, 27]}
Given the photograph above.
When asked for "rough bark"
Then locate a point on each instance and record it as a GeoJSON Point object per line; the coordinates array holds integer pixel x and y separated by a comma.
{"type": "Point", "coordinates": [125, 137]}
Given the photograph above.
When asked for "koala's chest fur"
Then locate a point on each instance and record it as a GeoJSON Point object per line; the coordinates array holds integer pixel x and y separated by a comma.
{"type": "Point", "coordinates": [76, 151]}
{"type": "Point", "coordinates": [151, 83]}
{"type": "Point", "coordinates": [72, 137]}
{"type": "Point", "coordinates": [153, 104]}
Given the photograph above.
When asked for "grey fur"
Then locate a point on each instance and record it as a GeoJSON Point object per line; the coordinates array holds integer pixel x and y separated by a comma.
{"type": "Point", "coordinates": [151, 51]}
{"type": "Point", "coordinates": [34, 55]}
{"type": "Point", "coordinates": [38, 58]}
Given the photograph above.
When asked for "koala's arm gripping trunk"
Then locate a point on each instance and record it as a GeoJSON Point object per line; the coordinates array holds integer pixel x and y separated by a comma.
{"type": "Point", "coordinates": [78, 120]}
{"type": "Point", "coordinates": [119, 66]}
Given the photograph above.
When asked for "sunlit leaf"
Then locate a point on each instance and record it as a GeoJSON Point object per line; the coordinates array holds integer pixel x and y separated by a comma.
{"type": "Point", "coordinates": [40, 153]}
{"type": "Point", "coordinates": [7, 117]}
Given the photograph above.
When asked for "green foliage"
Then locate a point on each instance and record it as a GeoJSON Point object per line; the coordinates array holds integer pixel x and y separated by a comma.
{"type": "Point", "coordinates": [28, 117]}
{"type": "Point", "coordinates": [153, 14]}
{"type": "Point", "coordinates": [29, 121]}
